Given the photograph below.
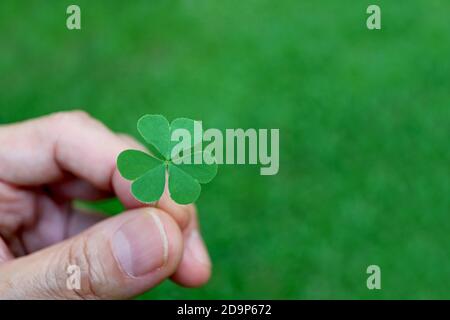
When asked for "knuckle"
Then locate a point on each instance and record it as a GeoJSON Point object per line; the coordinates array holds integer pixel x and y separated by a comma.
{"type": "Point", "coordinates": [74, 120]}
{"type": "Point", "coordinates": [92, 274]}
{"type": "Point", "coordinates": [78, 115]}
{"type": "Point", "coordinates": [70, 117]}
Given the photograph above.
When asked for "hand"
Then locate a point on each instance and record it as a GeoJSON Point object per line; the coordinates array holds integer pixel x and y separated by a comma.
{"type": "Point", "coordinates": [48, 162]}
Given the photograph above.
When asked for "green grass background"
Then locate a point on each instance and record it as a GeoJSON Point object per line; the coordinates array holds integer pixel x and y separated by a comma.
{"type": "Point", "coordinates": [363, 118]}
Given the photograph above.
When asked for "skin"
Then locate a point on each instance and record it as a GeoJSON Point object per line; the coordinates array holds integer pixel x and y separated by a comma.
{"type": "Point", "coordinates": [45, 164]}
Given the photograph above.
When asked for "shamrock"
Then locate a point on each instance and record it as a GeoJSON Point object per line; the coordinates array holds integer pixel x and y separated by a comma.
{"type": "Point", "coordinates": [148, 172]}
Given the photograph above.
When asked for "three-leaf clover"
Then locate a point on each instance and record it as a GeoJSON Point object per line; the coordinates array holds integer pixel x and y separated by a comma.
{"type": "Point", "coordinates": [149, 172]}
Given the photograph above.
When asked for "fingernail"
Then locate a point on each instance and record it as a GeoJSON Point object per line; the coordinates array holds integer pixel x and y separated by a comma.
{"type": "Point", "coordinates": [197, 248]}
{"type": "Point", "coordinates": [140, 245]}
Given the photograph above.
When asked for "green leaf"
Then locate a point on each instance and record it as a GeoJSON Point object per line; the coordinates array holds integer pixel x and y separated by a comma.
{"type": "Point", "coordinates": [150, 187]}
{"type": "Point", "coordinates": [133, 164]}
{"type": "Point", "coordinates": [183, 188]}
{"type": "Point", "coordinates": [149, 173]}
{"type": "Point", "coordinates": [155, 130]}
{"type": "Point", "coordinates": [188, 125]}
{"type": "Point", "coordinates": [202, 172]}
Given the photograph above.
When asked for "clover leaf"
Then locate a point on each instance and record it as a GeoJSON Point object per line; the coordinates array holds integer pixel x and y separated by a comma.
{"type": "Point", "coordinates": [148, 172]}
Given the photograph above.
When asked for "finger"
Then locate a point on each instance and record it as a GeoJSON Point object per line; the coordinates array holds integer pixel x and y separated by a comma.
{"type": "Point", "coordinates": [195, 266]}
{"type": "Point", "coordinates": [118, 258]}
{"type": "Point", "coordinates": [41, 151]}
{"type": "Point", "coordinates": [30, 219]}
{"type": "Point", "coordinates": [79, 220]}
{"type": "Point", "coordinates": [38, 152]}
{"type": "Point", "coordinates": [181, 213]}
{"type": "Point", "coordinates": [132, 142]}
{"type": "Point", "coordinates": [5, 254]}
{"type": "Point", "coordinates": [51, 227]}
{"type": "Point", "coordinates": [75, 188]}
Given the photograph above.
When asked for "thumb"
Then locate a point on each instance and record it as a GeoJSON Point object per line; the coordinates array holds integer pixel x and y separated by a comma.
{"type": "Point", "coordinates": [118, 258]}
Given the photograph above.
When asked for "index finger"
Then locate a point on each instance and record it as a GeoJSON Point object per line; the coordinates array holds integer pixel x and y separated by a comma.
{"type": "Point", "coordinates": [40, 151]}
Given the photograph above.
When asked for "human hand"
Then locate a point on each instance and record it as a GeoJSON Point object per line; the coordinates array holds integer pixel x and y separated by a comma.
{"type": "Point", "coordinates": [48, 162]}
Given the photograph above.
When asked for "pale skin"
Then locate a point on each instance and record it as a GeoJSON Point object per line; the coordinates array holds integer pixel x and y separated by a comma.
{"type": "Point", "coordinates": [45, 164]}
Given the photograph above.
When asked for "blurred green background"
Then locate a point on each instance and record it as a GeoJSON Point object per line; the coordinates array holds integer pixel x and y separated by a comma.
{"type": "Point", "coordinates": [363, 118]}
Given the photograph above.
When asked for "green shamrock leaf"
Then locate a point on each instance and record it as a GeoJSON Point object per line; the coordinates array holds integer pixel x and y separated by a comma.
{"type": "Point", "coordinates": [148, 172]}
